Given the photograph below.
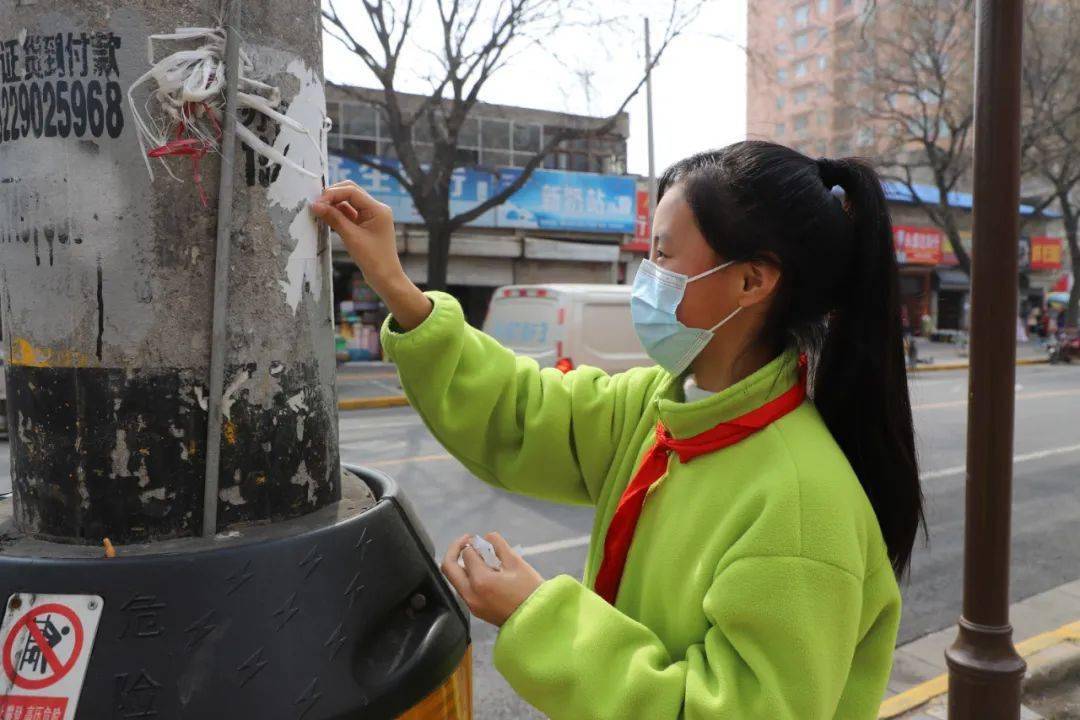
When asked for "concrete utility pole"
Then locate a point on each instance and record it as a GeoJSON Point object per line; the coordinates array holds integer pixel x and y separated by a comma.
{"type": "Point", "coordinates": [985, 670]}
{"type": "Point", "coordinates": [108, 283]}
{"type": "Point", "coordinates": [322, 599]}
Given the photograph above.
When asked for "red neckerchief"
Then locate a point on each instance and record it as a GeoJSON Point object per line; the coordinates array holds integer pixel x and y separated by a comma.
{"type": "Point", "coordinates": [621, 530]}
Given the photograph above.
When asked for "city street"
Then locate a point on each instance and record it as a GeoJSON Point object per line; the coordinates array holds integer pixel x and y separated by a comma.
{"type": "Point", "coordinates": [1046, 515]}
{"type": "Point", "coordinates": [1046, 519]}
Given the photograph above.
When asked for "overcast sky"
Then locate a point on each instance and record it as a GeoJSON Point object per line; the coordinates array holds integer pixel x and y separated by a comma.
{"type": "Point", "coordinates": [699, 88]}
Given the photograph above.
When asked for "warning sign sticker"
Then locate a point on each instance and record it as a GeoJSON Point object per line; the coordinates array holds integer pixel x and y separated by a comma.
{"type": "Point", "coordinates": [45, 643]}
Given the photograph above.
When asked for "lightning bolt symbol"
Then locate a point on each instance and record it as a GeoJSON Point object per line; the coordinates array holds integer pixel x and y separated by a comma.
{"type": "Point", "coordinates": [287, 611]}
{"type": "Point", "coordinates": [254, 663]}
{"type": "Point", "coordinates": [200, 629]}
{"type": "Point", "coordinates": [337, 639]}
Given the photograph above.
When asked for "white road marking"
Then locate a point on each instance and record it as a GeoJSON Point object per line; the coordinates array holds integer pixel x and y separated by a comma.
{"type": "Point", "coordinates": [1044, 394]}
{"type": "Point", "coordinates": [554, 546]}
{"type": "Point", "coordinates": [1026, 457]}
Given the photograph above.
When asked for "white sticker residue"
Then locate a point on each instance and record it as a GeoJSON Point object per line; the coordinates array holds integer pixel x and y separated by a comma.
{"type": "Point", "coordinates": [293, 190]}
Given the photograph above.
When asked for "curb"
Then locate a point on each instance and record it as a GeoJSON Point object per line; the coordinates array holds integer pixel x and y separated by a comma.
{"type": "Point", "coordinates": [385, 401]}
{"type": "Point", "coordinates": [964, 366]}
{"type": "Point", "coordinates": [401, 401]}
{"type": "Point", "coordinates": [1040, 669]}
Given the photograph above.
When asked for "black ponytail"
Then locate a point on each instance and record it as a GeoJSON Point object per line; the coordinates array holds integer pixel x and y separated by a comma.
{"type": "Point", "coordinates": [839, 300]}
{"type": "Point", "coordinates": [860, 380]}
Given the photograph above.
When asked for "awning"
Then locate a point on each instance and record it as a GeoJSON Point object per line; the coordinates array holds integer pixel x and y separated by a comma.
{"type": "Point", "coordinates": [952, 280]}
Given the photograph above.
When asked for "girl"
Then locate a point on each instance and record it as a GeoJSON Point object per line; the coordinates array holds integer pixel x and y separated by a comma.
{"type": "Point", "coordinates": [751, 524]}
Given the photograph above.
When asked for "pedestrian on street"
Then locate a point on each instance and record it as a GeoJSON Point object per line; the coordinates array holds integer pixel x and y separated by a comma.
{"type": "Point", "coordinates": [753, 511]}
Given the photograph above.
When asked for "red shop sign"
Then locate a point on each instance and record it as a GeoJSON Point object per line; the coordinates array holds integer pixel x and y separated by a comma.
{"type": "Point", "coordinates": [917, 245]}
{"type": "Point", "coordinates": [1045, 253]}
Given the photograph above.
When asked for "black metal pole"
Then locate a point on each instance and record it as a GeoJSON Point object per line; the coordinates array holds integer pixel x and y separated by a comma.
{"type": "Point", "coordinates": [985, 671]}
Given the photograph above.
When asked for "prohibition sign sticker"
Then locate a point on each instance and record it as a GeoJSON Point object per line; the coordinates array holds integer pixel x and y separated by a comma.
{"type": "Point", "coordinates": [48, 649]}
{"type": "Point", "coordinates": [45, 646]}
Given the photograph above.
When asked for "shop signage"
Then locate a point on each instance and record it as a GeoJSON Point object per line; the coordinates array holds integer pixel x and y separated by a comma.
{"type": "Point", "coordinates": [1045, 253]}
{"type": "Point", "coordinates": [641, 222]}
{"type": "Point", "coordinates": [549, 199]}
{"type": "Point", "coordinates": [917, 245]}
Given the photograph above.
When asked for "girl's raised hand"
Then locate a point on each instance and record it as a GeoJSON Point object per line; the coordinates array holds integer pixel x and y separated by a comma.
{"type": "Point", "coordinates": [366, 227]}
{"type": "Point", "coordinates": [492, 595]}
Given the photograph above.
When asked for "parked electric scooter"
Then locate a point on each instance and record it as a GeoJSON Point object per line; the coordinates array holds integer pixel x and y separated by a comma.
{"type": "Point", "coordinates": [1064, 347]}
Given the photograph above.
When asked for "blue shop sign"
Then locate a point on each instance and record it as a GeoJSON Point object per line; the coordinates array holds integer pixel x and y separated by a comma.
{"type": "Point", "coordinates": [549, 199]}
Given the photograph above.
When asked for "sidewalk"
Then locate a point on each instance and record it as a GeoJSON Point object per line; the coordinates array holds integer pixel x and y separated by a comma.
{"type": "Point", "coordinates": [1046, 632]}
{"type": "Point", "coordinates": [364, 385]}
{"type": "Point", "coordinates": [949, 356]}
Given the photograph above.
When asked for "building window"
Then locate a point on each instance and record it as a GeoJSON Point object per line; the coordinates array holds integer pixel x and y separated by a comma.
{"type": "Point", "coordinates": [526, 137]}
{"type": "Point", "coordinates": [360, 129]}
{"type": "Point", "coordinates": [800, 69]}
{"type": "Point", "coordinates": [822, 118]}
{"type": "Point", "coordinates": [359, 120]}
{"type": "Point", "coordinates": [799, 96]}
{"type": "Point", "coordinates": [845, 3]}
{"type": "Point", "coordinates": [780, 102]}
{"type": "Point", "coordinates": [353, 147]}
{"type": "Point", "coordinates": [822, 148]}
{"type": "Point", "coordinates": [495, 134]}
{"type": "Point", "coordinates": [802, 15]}
{"type": "Point", "coordinates": [781, 74]}
{"type": "Point", "coordinates": [843, 146]}
{"type": "Point", "coordinates": [781, 22]}
{"type": "Point", "coordinates": [779, 129]}
{"type": "Point", "coordinates": [466, 156]}
{"type": "Point", "coordinates": [802, 40]}
{"type": "Point", "coordinates": [356, 131]}
{"type": "Point", "coordinates": [801, 122]}
{"type": "Point", "coordinates": [823, 7]}
{"type": "Point", "coordinates": [822, 62]}
{"type": "Point", "coordinates": [865, 136]}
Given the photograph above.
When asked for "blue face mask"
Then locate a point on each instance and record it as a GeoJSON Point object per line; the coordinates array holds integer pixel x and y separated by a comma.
{"type": "Point", "coordinates": [656, 295]}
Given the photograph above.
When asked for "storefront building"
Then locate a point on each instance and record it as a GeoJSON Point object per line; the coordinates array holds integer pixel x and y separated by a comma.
{"type": "Point", "coordinates": [574, 220]}
{"type": "Point", "coordinates": [935, 292]}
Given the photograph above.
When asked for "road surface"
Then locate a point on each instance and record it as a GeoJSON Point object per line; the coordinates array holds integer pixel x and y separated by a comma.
{"type": "Point", "coordinates": [1046, 515]}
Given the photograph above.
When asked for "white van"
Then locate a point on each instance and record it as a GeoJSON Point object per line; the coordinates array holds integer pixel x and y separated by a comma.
{"type": "Point", "coordinates": [566, 325]}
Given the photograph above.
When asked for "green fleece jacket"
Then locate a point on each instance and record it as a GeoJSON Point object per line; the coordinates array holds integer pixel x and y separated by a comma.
{"type": "Point", "coordinates": [757, 584]}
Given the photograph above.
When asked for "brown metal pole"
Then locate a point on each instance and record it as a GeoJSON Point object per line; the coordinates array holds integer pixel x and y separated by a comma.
{"type": "Point", "coordinates": [985, 671]}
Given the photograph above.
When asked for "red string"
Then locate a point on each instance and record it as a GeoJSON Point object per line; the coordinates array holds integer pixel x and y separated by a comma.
{"type": "Point", "coordinates": [190, 147]}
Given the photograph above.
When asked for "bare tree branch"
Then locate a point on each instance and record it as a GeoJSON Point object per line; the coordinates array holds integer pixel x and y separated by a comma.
{"type": "Point", "coordinates": [1050, 137]}
{"type": "Point", "coordinates": [478, 41]}
{"type": "Point", "coordinates": [920, 95]}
